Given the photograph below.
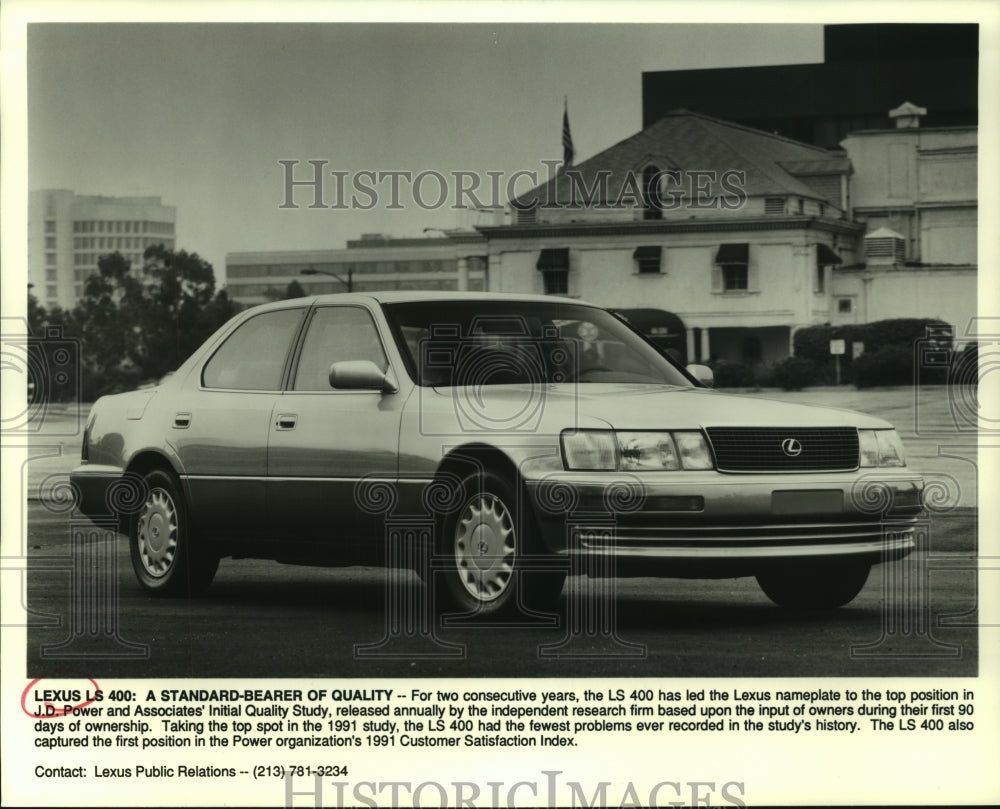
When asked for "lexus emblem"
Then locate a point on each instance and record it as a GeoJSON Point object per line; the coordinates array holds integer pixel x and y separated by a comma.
{"type": "Point", "coordinates": [792, 447]}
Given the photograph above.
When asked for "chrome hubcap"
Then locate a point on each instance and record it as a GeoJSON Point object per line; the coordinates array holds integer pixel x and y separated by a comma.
{"type": "Point", "coordinates": [484, 547]}
{"type": "Point", "coordinates": [157, 536]}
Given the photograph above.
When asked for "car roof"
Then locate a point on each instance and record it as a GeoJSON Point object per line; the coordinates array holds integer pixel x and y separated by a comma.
{"type": "Point", "coordinates": [396, 296]}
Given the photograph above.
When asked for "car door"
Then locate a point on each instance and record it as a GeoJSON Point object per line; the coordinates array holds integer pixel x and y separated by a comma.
{"type": "Point", "coordinates": [220, 428]}
{"type": "Point", "coordinates": [324, 441]}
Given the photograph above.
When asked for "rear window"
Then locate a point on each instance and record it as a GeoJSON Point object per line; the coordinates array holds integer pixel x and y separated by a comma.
{"type": "Point", "coordinates": [253, 357]}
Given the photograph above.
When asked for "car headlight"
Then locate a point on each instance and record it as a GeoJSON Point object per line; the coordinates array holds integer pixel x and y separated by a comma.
{"type": "Point", "coordinates": [880, 448]}
{"type": "Point", "coordinates": [589, 450]}
{"type": "Point", "coordinates": [604, 450]}
{"type": "Point", "coordinates": [647, 451]}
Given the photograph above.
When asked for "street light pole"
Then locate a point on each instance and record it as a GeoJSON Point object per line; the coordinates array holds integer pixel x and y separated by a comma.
{"type": "Point", "coordinates": [349, 283]}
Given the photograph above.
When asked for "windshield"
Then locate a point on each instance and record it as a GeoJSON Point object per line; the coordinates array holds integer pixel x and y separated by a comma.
{"type": "Point", "coordinates": [484, 342]}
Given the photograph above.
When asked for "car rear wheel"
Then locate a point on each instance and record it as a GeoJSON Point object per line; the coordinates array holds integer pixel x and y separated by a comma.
{"type": "Point", "coordinates": [493, 558]}
{"type": "Point", "coordinates": [165, 560]}
{"type": "Point", "coordinates": [814, 587]}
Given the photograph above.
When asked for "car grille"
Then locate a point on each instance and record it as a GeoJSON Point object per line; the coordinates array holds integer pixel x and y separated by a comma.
{"type": "Point", "coordinates": [762, 449]}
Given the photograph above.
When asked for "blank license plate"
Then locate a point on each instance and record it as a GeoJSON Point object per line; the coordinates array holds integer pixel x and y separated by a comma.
{"type": "Point", "coordinates": [811, 501]}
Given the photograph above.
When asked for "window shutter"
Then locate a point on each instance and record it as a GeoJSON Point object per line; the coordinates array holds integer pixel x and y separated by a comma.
{"type": "Point", "coordinates": [716, 278]}
{"type": "Point", "coordinates": [753, 275]}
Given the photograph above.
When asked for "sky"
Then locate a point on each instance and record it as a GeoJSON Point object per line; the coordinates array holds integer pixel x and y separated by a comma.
{"type": "Point", "coordinates": [201, 114]}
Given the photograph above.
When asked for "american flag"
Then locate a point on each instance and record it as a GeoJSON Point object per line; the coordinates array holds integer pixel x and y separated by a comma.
{"type": "Point", "coordinates": [567, 138]}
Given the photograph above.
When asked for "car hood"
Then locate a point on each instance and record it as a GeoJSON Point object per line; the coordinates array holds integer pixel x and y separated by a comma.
{"type": "Point", "coordinates": [653, 407]}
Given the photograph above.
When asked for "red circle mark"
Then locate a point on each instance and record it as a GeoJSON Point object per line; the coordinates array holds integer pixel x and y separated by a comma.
{"type": "Point", "coordinates": [57, 713]}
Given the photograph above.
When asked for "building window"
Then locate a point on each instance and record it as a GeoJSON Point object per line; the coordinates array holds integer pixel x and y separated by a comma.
{"type": "Point", "coordinates": [825, 257]}
{"type": "Point", "coordinates": [50, 292]}
{"type": "Point", "coordinates": [735, 278]}
{"type": "Point", "coordinates": [774, 205]}
{"type": "Point", "coordinates": [652, 206]}
{"type": "Point", "coordinates": [50, 242]}
{"type": "Point", "coordinates": [50, 275]}
{"type": "Point", "coordinates": [845, 306]}
{"type": "Point", "coordinates": [50, 259]}
{"type": "Point", "coordinates": [556, 282]}
{"type": "Point", "coordinates": [732, 268]}
{"type": "Point", "coordinates": [553, 263]}
{"type": "Point", "coordinates": [50, 226]}
{"type": "Point", "coordinates": [647, 259]}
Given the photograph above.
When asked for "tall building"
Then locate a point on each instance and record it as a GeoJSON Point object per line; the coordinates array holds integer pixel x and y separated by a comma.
{"type": "Point", "coordinates": [67, 234]}
{"type": "Point", "coordinates": [374, 262]}
{"type": "Point", "coordinates": [914, 188]}
{"type": "Point", "coordinates": [866, 70]}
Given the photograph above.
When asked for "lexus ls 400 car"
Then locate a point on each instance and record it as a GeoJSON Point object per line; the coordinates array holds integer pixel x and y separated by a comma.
{"type": "Point", "coordinates": [493, 443]}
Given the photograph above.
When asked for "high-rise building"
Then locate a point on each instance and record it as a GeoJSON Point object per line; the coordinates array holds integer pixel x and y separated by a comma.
{"type": "Point", "coordinates": [67, 234]}
{"type": "Point", "coordinates": [866, 70]}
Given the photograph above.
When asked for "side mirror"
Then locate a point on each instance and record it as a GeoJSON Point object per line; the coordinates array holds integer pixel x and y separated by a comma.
{"type": "Point", "coordinates": [360, 375]}
{"type": "Point", "coordinates": [702, 373]}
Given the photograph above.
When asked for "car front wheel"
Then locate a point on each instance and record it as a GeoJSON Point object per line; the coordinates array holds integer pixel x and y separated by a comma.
{"type": "Point", "coordinates": [164, 558]}
{"type": "Point", "coordinates": [814, 587]}
{"type": "Point", "coordinates": [492, 558]}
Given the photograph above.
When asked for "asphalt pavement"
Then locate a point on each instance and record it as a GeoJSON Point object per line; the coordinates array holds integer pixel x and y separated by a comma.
{"type": "Point", "coordinates": [264, 619]}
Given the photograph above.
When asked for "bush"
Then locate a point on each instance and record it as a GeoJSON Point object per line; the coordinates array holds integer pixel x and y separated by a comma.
{"type": "Point", "coordinates": [732, 374]}
{"type": "Point", "coordinates": [965, 366]}
{"type": "Point", "coordinates": [794, 373]}
{"type": "Point", "coordinates": [892, 365]}
{"type": "Point", "coordinates": [813, 343]}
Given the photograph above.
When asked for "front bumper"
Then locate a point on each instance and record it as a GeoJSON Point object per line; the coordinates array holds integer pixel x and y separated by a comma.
{"type": "Point", "coordinates": [708, 524]}
{"type": "Point", "coordinates": [95, 485]}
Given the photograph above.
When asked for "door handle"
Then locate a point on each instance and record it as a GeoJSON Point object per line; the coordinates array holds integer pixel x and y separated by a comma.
{"type": "Point", "coordinates": [182, 420]}
{"type": "Point", "coordinates": [286, 421]}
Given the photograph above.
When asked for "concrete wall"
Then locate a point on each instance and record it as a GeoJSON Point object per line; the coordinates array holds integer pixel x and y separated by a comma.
{"type": "Point", "coordinates": [945, 293]}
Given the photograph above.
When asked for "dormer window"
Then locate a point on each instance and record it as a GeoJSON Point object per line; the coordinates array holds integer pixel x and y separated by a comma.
{"type": "Point", "coordinates": [774, 206]}
{"type": "Point", "coordinates": [653, 206]}
{"type": "Point", "coordinates": [527, 216]}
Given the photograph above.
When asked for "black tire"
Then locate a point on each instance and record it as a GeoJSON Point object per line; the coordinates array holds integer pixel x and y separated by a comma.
{"type": "Point", "coordinates": [492, 559]}
{"type": "Point", "coordinates": [165, 560]}
{"type": "Point", "coordinates": [814, 587]}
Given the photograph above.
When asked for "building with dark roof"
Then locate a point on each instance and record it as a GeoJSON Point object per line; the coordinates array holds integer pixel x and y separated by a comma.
{"type": "Point", "coordinates": [748, 236]}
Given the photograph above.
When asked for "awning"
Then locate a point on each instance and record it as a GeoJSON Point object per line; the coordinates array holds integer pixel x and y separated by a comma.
{"type": "Point", "coordinates": [553, 258]}
{"type": "Point", "coordinates": [825, 256]}
{"type": "Point", "coordinates": [648, 252]}
{"type": "Point", "coordinates": [733, 254]}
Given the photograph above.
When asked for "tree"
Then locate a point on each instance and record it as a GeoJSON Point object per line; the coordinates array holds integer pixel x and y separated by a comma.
{"type": "Point", "coordinates": [108, 321]}
{"type": "Point", "coordinates": [294, 290]}
{"type": "Point", "coordinates": [36, 316]}
{"type": "Point", "coordinates": [137, 326]}
{"type": "Point", "coordinates": [178, 288]}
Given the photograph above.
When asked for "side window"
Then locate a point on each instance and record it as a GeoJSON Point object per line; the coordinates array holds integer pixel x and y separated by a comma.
{"type": "Point", "coordinates": [253, 356]}
{"type": "Point", "coordinates": [335, 334]}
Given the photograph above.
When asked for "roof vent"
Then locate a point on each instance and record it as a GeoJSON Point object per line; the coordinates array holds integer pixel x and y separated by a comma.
{"type": "Point", "coordinates": [884, 247]}
{"type": "Point", "coordinates": [908, 115]}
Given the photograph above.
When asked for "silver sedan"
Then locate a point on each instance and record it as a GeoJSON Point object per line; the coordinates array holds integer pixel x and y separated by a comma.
{"type": "Point", "coordinates": [495, 443]}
